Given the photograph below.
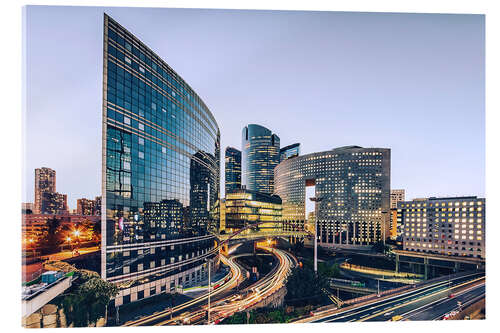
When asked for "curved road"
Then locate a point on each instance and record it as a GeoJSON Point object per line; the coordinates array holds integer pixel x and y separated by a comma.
{"type": "Point", "coordinates": [159, 317]}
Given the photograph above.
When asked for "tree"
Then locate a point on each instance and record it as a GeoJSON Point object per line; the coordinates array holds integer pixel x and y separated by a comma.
{"type": "Point", "coordinates": [89, 300]}
{"type": "Point", "coordinates": [380, 247]}
{"type": "Point", "coordinates": [52, 240]}
{"type": "Point", "coordinates": [304, 286]}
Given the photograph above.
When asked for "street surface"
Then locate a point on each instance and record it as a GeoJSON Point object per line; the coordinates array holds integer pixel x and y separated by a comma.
{"type": "Point", "coordinates": [410, 301]}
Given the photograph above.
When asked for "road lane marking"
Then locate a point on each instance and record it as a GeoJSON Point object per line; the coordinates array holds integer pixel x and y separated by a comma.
{"type": "Point", "coordinates": [422, 298]}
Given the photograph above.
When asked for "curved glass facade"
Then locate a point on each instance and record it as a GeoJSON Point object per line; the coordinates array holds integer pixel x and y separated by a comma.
{"type": "Point", "coordinates": [260, 155]}
{"type": "Point", "coordinates": [352, 186]}
{"type": "Point", "coordinates": [161, 170]}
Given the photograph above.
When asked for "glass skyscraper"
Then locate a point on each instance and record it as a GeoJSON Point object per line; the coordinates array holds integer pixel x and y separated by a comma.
{"type": "Point", "coordinates": [161, 173]}
{"type": "Point", "coordinates": [289, 151]}
{"type": "Point", "coordinates": [260, 155]}
{"type": "Point", "coordinates": [232, 169]}
{"type": "Point", "coordinates": [352, 189]}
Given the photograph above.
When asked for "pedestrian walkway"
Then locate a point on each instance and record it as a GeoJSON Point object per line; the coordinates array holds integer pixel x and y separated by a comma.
{"type": "Point", "coordinates": [379, 272]}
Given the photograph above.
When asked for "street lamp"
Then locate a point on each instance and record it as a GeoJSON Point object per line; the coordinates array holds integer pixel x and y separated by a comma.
{"type": "Point", "coordinates": [209, 287]}
{"type": "Point", "coordinates": [315, 199]}
{"type": "Point", "coordinates": [68, 239]}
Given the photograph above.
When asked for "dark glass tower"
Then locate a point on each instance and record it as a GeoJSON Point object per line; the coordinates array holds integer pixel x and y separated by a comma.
{"type": "Point", "coordinates": [260, 155]}
{"type": "Point", "coordinates": [233, 169]}
{"type": "Point", "coordinates": [289, 151]}
{"type": "Point", "coordinates": [161, 173]}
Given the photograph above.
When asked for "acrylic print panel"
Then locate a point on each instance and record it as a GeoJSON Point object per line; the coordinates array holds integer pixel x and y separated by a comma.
{"type": "Point", "coordinates": [216, 167]}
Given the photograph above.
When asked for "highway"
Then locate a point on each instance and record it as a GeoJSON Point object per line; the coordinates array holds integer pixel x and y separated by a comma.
{"type": "Point", "coordinates": [384, 309]}
{"type": "Point", "coordinates": [444, 305]}
{"type": "Point", "coordinates": [247, 298]}
{"type": "Point", "coordinates": [261, 289]}
{"type": "Point", "coordinates": [159, 318]}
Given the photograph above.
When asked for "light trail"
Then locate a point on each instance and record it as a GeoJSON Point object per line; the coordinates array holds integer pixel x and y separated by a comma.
{"type": "Point", "coordinates": [231, 283]}
{"type": "Point", "coordinates": [260, 290]}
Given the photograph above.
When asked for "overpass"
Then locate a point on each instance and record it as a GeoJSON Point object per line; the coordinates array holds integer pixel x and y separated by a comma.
{"type": "Point", "coordinates": [262, 234]}
{"type": "Point", "coordinates": [426, 263]}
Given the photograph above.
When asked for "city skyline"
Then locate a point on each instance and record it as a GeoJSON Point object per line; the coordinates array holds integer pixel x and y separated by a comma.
{"type": "Point", "coordinates": [315, 226]}
{"type": "Point", "coordinates": [427, 91]}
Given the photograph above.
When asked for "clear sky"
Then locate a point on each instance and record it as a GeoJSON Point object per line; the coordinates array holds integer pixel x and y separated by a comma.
{"type": "Point", "coordinates": [410, 82]}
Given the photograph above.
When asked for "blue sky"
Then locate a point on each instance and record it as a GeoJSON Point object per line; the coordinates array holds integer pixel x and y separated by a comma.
{"type": "Point", "coordinates": [410, 82]}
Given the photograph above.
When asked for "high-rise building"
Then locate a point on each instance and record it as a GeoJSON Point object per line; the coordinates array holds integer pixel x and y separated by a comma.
{"type": "Point", "coordinates": [85, 206]}
{"type": "Point", "coordinates": [232, 169]}
{"type": "Point", "coordinates": [97, 206]}
{"type": "Point", "coordinates": [54, 203]}
{"type": "Point", "coordinates": [222, 225]}
{"type": "Point", "coordinates": [452, 226]}
{"type": "Point", "coordinates": [161, 172]}
{"type": "Point", "coordinates": [260, 155]}
{"type": "Point", "coordinates": [397, 196]}
{"type": "Point", "coordinates": [45, 181]}
{"type": "Point", "coordinates": [289, 151]}
{"type": "Point", "coordinates": [245, 207]}
{"type": "Point", "coordinates": [350, 189]}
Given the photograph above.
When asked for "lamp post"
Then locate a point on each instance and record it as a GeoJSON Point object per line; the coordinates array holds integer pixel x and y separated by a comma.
{"type": "Point", "coordinates": [209, 287]}
{"type": "Point", "coordinates": [315, 200]}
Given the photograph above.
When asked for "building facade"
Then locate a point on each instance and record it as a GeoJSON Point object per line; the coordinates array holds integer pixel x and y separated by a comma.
{"type": "Point", "coordinates": [161, 172]}
{"type": "Point", "coordinates": [397, 196]}
{"type": "Point", "coordinates": [452, 226]}
{"type": "Point", "coordinates": [54, 203]}
{"type": "Point", "coordinates": [232, 169]}
{"type": "Point", "coordinates": [289, 151]}
{"type": "Point", "coordinates": [45, 181]}
{"type": "Point", "coordinates": [352, 196]}
{"type": "Point", "coordinates": [85, 206]}
{"type": "Point", "coordinates": [245, 207]}
{"type": "Point", "coordinates": [259, 156]}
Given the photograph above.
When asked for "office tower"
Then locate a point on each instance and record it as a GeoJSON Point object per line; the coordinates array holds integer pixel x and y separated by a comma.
{"type": "Point", "coordinates": [397, 196]}
{"type": "Point", "coordinates": [245, 207]}
{"type": "Point", "coordinates": [350, 186]}
{"type": "Point", "coordinates": [45, 181]}
{"type": "Point", "coordinates": [289, 151]}
{"type": "Point", "coordinates": [260, 155]}
{"type": "Point", "coordinates": [222, 224]}
{"type": "Point", "coordinates": [453, 226]}
{"type": "Point", "coordinates": [161, 172]}
{"type": "Point", "coordinates": [232, 169]}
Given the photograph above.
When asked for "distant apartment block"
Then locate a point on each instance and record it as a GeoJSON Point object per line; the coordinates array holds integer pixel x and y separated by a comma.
{"type": "Point", "coordinates": [452, 226]}
{"type": "Point", "coordinates": [45, 181]}
{"type": "Point", "coordinates": [54, 203]}
{"type": "Point", "coordinates": [88, 206]}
